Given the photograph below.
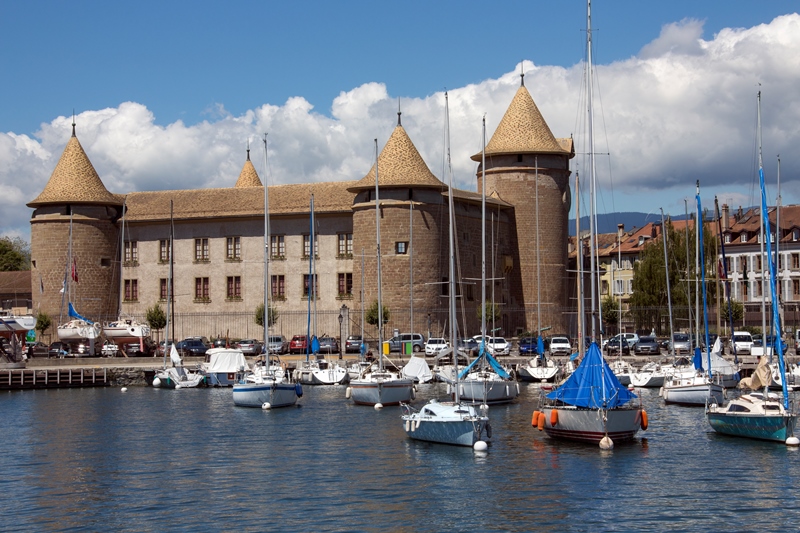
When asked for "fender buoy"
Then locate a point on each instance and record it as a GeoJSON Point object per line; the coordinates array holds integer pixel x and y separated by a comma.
{"type": "Point", "coordinates": [535, 418]}
{"type": "Point", "coordinates": [554, 417]}
{"type": "Point", "coordinates": [348, 393]}
{"type": "Point", "coordinates": [408, 426]}
{"type": "Point", "coordinates": [489, 430]}
{"type": "Point", "coordinates": [413, 394]}
{"type": "Point", "coordinates": [644, 420]}
{"type": "Point", "coordinates": [541, 422]}
{"type": "Point", "coordinates": [298, 389]}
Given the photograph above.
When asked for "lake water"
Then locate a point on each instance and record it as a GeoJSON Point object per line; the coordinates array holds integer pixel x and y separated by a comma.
{"type": "Point", "coordinates": [153, 460]}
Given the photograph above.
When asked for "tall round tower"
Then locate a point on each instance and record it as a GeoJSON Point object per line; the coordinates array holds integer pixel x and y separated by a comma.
{"type": "Point", "coordinates": [75, 240]}
{"type": "Point", "coordinates": [412, 212]}
{"type": "Point", "coordinates": [524, 160]}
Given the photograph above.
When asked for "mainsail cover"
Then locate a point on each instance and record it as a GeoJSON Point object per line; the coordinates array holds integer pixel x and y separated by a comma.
{"type": "Point", "coordinates": [489, 359]}
{"type": "Point", "coordinates": [74, 314]}
{"type": "Point", "coordinates": [593, 385]}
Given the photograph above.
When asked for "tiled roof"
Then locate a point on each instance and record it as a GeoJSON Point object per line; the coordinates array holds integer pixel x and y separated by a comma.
{"type": "Point", "coordinates": [399, 165]}
{"type": "Point", "coordinates": [75, 180]}
{"type": "Point", "coordinates": [750, 222]}
{"type": "Point", "coordinates": [248, 177]}
{"type": "Point", "coordinates": [240, 202]}
{"type": "Point", "coordinates": [523, 130]}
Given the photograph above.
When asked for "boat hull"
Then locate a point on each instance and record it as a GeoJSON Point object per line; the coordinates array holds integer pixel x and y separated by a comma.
{"type": "Point", "coordinates": [450, 423]}
{"type": "Point", "coordinates": [647, 380]}
{"type": "Point", "coordinates": [257, 394]}
{"type": "Point", "coordinates": [694, 395]}
{"type": "Point", "coordinates": [761, 427]}
{"type": "Point", "coordinates": [488, 391]}
{"type": "Point", "coordinates": [385, 392]}
{"type": "Point", "coordinates": [589, 425]}
{"type": "Point", "coordinates": [537, 374]}
{"type": "Point", "coordinates": [330, 376]}
{"type": "Point", "coordinates": [171, 378]}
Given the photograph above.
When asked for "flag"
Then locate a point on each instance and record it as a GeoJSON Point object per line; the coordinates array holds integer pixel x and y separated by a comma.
{"type": "Point", "coordinates": [63, 286]}
{"type": "Point", "coordinates": [41, 285]}
{"type": "Point", "coordinates": [75, 270]}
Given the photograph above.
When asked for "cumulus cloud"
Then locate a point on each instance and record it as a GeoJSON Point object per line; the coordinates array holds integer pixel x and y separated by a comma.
{"type": "Point", "coordinates": [682, 109]}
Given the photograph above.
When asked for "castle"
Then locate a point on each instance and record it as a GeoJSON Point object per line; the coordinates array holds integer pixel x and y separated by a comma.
{"type": "Point", "coordinates": [122, 262]}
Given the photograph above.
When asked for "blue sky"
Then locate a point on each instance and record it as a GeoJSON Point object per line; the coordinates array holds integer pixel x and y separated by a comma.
{"type": "Point", "coordinates": [167, 93]}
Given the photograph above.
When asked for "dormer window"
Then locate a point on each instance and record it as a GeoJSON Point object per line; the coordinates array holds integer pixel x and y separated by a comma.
{"type": "Point", "coordinates": [771, 237]}
{"type": "Point", "coordinates": [796, 234]}
{"type": "Point", "coordinates": [727, 238]}
{"type": "Point", "coordinates": [743, 237]}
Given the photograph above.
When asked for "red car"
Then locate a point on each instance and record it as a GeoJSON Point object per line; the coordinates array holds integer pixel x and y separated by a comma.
{"type": "Point", "coordinates": [298, 344]}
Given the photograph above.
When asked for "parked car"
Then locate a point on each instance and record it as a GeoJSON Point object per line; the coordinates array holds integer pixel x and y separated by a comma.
{"type": "Point", "coordinates": [681, 343]}
{"type": "Point", "coordinates": [417, 341]}
{"type": "Point", "coordinates": [278, 344]}
{"type": "Point", "coordinates": [298, 344]}
{"type": "Point", "coordinates": [109, 349]}
{"type": "Point", "coordinates": [616, 343]}
{"type": "Point", "coordinates": [58, 349]}
{"type": "Point", "coordinates": [495, 345]}
{"type": "Point", "coordinates": [647, 346]}
{"type": "Point", "coordinates": [712, 338]}
{"type": "Point", "coordinates": [352, 344]}
{"type": "Point", "coordinates": [192, 346]}
{"type": "Point", "coordinates": [467, 345]}
{"type": "Point", "coordinates": [146, 349]}
{"type": "Point", "coordinates": [742, 342]}
{"type": "Point", "coordinates": [560, 346]}
{"type": "Point", "coordinates": [160, 349]}
{"type": "Point", "coordinates": [250, 346]}
{"type": "Point", "coordinates": [328, 345]}
{"type": "Point", "coordinates": [38, 349]}
{"type": "Point", "coordinates": [435, 345]}
{"type": "Point", "coordinates": [630, 339]}
{"type": "Point", "coordinates": [528, 346]}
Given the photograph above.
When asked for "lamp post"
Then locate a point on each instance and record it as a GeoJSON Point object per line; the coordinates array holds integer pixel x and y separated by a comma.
{"type": "Point", "coordinates": [341, 319]}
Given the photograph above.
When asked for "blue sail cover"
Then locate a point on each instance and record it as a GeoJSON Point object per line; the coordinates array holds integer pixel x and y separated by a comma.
{"type": "Point", "coordinates": [540, 347]}
{"type": "Point", "coordinates": [74, 314]}
{"type": "Point", "coordinates": [492, 362]}
{"type": "Point", "coordinates": [593, 385]}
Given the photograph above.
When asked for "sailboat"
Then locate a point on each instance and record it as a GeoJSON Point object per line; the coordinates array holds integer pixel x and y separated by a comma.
{"type": "Point", "coordinates": [316, 371]}
{"type": "Point", "coordinates": [700, 386]}
{"type": "Point", "coordinates": [760, 415]}
{"type": "Point", "coordinates": [175, 377]}
{"type": "Point", "coordinates": [377, 386]}
{"type": "Point", "coordinates": [591, 405]}
{"type": "Point", "coordinates": [270, 387]}
{"type": "Point", "coordinates": [125, 330]}
{"type": "Point", "coordinates": [453, 422]}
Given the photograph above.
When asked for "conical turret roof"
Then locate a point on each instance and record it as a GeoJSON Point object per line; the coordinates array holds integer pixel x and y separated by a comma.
{"type": "Point", "coordinates": [399, 165]}
{"type": "Point", "coordinates": [248, 177]}
{"type": "Point", "coordinates": [522, 130]}
{"type": "Point", "coordinates": [75, 181]}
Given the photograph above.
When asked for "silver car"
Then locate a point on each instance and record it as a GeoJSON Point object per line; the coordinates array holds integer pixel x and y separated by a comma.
{"type": "Point", "coordinates": [278, 344]}
{"type": "Point", "coordinates": [250, 346]}
{"type": "Point", "coordinates": [681, 343]}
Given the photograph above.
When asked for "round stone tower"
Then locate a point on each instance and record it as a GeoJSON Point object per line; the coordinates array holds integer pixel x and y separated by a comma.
{"type": "Point", "coordinates": [413, 214]}
{"type": "Point", "coordinates": [75, 241]}
{"type": "Point", "coordinates": [523, 160]}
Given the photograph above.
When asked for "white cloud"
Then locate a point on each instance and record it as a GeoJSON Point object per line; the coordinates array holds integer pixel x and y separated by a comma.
{"type": "Point", "coordinates": [683, 109]}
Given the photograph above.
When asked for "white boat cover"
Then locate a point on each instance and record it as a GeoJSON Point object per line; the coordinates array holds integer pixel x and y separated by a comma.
{"type": "Point", "coordinates": [417, 368]}
{"type": "Point", "coordinates": [225, 360]}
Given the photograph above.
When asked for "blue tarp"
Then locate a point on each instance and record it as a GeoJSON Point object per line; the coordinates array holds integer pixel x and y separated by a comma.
{"type": "Point", "coordinates": [540, 347]}
{"type": "Point", "coordinates": [593, 385]}
{"type": "Point", "coordinates": [74, 314]}
{"type": "Point", "coordinates": [491, 360]}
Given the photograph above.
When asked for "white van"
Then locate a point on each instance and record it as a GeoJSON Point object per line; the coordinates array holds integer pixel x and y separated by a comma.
{"type": "Point", "coordinates": [743, 342]}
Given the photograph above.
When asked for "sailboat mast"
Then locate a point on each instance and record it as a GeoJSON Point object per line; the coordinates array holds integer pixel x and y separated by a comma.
{"type": "Point", "coordinates": [778, 241]}
{"type": "Point", "coordinates": [363, 338]}
{"type": "Point", "coordinates": [579, 261]}
{"type": "Point", "coordinates": [727, 283]}
{"type": "Point", "coordinates": [169, 292]}
{"type": "Point", "coordinates": [538, 259]}
{"type": "Point", "coordinates": [378, 256]}
{"type": "Point", "coordinates": [698, 227]}
{"type": "Point", "coordinates": [411, 261]}
{"type": "Point", "coordinates": [763, 258]}
{"type": "Point", "coordinates": [310, 276]}
{"type": "Point", "coordinates": [313, 253]}
{"type": "Point", "coordinates": [688, 274]}
{"type": "Point", "coordinates": [265, 318]}
{"type": "Point", "coordinates": [452, 268]}
{"type": "Point", "coordinates": [669, 292]}
{"type": "Point", "coordinates": [703, 274]}
{"type": "Point", "coordinates": [122, 248]}
{"type": "Point", "coordinates": [596, 316]}
{"type": "Point", "coordinates": [483, 236]}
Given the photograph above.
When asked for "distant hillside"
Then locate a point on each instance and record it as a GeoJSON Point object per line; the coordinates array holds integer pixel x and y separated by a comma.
{"type": "Point", "coordinates": [607, 222]}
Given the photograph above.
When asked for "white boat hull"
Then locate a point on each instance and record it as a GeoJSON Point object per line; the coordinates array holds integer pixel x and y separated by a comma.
{"type": "Point", "coordinates": [314, 374]}
{"type": "Point", "coordinates": [173, 378]}
{"type": "Point", "coordinates": [125, 333]}
{"type": "Point", "coordinates": [382, 391]}
{"type": "Point", "coordinates": [591, 425]}
{"type": "Point", "coordinates": [754, 417]}
{"type": "Point", "coordinates": [486, 390]}
{"type": "Point", "coordinates": [697, 394]}
{"type": "Point", "coordinates": [446, 423]}
{"type": "Point", "coordinates": [257, 394]}
{"type": "Point", "coordinates": [78, 330]}
{"type": "Point", "coordinates": [534, 372]}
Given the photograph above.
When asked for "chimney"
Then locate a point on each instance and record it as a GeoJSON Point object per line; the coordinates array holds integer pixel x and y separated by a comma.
{"type": "Point", "coordinates": [739, 214]}
{"type": "Point", "coordinates": [725, 217]}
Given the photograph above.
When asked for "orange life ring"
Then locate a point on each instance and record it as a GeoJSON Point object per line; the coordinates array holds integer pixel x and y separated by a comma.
{"type": "Point", "coordinates": [540, 423]}
{"type": "Point", "coordinates": [644, 420]}
{"type": "Point", "coordinates": [535, 418]}
{"type": "Point", "coordinates": [554, 417]}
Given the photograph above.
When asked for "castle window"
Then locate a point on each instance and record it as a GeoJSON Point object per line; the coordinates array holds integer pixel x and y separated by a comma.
{"type": "Point", "coordinates": [234, 245]}
{"type": "Point", "coordinates": [445, 287]}
{"type": "Point", "coordinates": [315, 288]}
{"type": "Point", "coordinates": [131, 290]}
{"type": "Point", "coordinates": [277, 247]}
{"type": "Point", "coordinates": [163, 289]}
{"type": "Point", "coordinates": [234, 287]}
{"type": "Point", "coordinates": [307, 247]}
{"type": "Point", "coordinates": [345, 284]}
{"type": "Point", "coordinates": [519, 158]}
{"type": "Point", "coordinates": [345, 245]}
{"type": "Point", "coordinates": [163, 250]}
{"type": "Point", "coordinates": [104, 262]}
{"type": "Point", "coordinates": [201, 288]}
{"type": "Point", "coordinates": [401, 247]}
{"type": "Point", "coordinates": [201, 250]}
{"type": "Point", "coordinates": [131, 256]}
{"type": "Point", "coordinates": [278, 287]}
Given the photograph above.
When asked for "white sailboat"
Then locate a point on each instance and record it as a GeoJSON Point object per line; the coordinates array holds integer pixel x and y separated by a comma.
{"type": "Point", "coordinates": [269, 388]}
{"type": "Point", "coordinates": [591, 405]}
{"type": "Point", "coordinates": [377, 386]}
{"type": "Point", "coordinates": [453, 422]}
{"type": "Point", "coordinates": [764, 415]}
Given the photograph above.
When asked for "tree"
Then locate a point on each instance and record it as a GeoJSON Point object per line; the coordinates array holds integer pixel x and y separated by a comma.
{"type": "Point", "coordinates": [610, 309]}
{"type": "Point", "coordinates": [737, 311]}
{"type": "Point", "coordinates": [372, 314]}
{"type": "Point", "coordinates": [156, 317]}
{"type": "Point", "coordinates": [15, 254]}
{"type": "Point", "coordinates": [43, 323]}
{"type": "Point", "coordinates": [492, 312]}
{"type": "Point", "coordinates": [272, 315]}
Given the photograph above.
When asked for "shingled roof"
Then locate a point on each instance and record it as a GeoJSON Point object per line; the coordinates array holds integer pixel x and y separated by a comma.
{"type": "Point", "coordinates": [329, 197]}
{"type": "Point", "coordinates": [399, 165]}
{"type": "Point", "coordinates": [248, 177]}
{"type": "Point", "coordinates": [523, 130]}
{"type": "Point", "coordinates": [75, 181]}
